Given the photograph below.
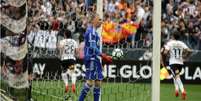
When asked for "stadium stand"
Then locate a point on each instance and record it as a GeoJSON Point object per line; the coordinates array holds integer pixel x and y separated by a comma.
{"type": "Point", "coordinates": [53, 16]}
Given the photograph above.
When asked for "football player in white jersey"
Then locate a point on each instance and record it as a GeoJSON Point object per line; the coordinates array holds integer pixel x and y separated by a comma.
{"type": "Point", "coordinates": [177, 50]}
{"type": "Point", "coordinates": [68, 49]}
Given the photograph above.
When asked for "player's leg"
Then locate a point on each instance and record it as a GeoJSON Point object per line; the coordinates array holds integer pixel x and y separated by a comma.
{"type": "Point", "coordinates": [176, 87]}
{"type": "Point", "coordinates": [73, 77]}
{"type": "Point", "coordinates": [64, 75]}
{"type": "Point", "coordinates": [90, 77]}
{"type": "Point", "coordinates": [180, 84]}
{"type": "Point", "coordinates": [181, 87]}
{"type": "Point", "coordinates": [97, 90]}
{"type": "Point", "coordinates": [173, 69]}
{"type": "Point", "coordinates": [87, 86]}
{"type": "Point", "coordinates": [99, 78]}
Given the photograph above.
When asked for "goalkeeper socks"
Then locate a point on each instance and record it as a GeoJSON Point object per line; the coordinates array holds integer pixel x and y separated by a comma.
{"type": "Point", "coordinates": [176, 85]}
{"type": "Point", "coordinates": [84, 92]}
{"type": "Point", "coordinates": [65, 78]}
{"type": "Point", "coordinates": [97, 92]}
{"type": "Point", "coordinates": [181, 87]}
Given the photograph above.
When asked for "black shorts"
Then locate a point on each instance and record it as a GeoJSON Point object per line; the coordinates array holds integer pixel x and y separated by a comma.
{"type": "Point", "coordinates": [66, 63]}
{"type": "Point", "coordinates": [176, 68]}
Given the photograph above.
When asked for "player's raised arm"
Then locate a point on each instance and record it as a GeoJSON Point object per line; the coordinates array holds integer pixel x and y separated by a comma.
{"type": "Point", "coordinates": [166, 49]}
{"type": "Point", "coordinates": [187, 52]}
{"type": "Point", "coordinates": [163, 57]}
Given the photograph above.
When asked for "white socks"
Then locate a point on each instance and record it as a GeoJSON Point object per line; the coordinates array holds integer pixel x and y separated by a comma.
{"type": "Point", "coordinates": [71, 74]}
{"type": "Point", "coordinates": [65, 78]}
{"type": "Point", "coordinates": [176, 85]}
{"type": "Point", "coordinates": [180, 84]}
{"type": "Point", "coordinates": [73, 77]}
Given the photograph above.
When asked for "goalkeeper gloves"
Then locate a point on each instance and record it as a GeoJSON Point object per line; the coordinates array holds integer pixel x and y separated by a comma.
{"type": "Point", "coordinates": [106, 58]}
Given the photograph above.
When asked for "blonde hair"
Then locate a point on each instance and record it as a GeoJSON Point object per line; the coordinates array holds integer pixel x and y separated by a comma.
{"type": "Point", "coordinates": [91, 16]}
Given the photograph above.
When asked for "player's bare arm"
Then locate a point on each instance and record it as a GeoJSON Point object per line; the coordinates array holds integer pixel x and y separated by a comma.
{"type": "Point", "coordinates": [187, 52]}
{"type": "Point", "coordinates": [163, 57]}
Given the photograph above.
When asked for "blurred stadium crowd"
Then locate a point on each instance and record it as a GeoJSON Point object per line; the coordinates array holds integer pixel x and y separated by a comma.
{"type": "Point", "coordinates": [183, 16]}
{"type": "Point", "coordinates": [49, 19]}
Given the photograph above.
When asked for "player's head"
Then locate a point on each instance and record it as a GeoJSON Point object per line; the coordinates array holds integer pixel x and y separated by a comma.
{"type": "Point", "coordinates": [176, 36]}
{"type": "Point", "coordinates": [94, 19]}
{"type": "Point", "coordinates": [67, 34]}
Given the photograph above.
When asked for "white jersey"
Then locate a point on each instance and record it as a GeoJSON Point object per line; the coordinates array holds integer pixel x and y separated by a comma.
{"type": "Point", "coordinates": [68, 49]}
{"type": "Point", "coordinates": [31, 36]}
{"type": "Point", "coordinates": [176, 49]}
{"type": "Point", "coordinates": [41, 38]}
{"type": "Point", "coordinates": [52, 40]}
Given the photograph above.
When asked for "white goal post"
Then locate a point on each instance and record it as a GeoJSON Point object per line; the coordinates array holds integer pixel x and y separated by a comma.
{"type": "Point", "coordinates": [156, 46]}
{"type": "Point", "coordinates": [156, 50]}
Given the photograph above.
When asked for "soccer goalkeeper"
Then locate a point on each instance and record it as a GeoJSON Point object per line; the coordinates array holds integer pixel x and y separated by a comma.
{"type": "Point", "coordinates": [92, 59]}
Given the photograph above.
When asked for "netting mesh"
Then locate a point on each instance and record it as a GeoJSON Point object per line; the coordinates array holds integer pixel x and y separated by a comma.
{"type": "Point", "coordinates": [50, 87]}
{"type": "Point", "coordinates": [46, 89]}
{"type": "Point", "coordinates": [11, 94]}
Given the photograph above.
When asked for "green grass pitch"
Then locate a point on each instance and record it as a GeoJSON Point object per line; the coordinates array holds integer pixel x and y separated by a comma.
{"type": "Point", "coordinates": [54, 91]}
{"type": "Point", "coordinates": [193, 92]}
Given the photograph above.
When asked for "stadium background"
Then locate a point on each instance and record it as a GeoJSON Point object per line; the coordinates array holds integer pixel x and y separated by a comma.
{"type": "Point", "coordinates": [53, 16]}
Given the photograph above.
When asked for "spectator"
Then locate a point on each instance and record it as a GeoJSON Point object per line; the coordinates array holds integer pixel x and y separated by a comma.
{"type": "Point", "coordinates": [177, 15]}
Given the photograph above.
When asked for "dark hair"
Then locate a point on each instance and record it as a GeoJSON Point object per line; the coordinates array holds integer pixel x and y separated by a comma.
{"type": "Point", "coordinates": [67, 34]}
{"type": "Point", "coordinates": [176, 35]}
{"type": "Point", "coordinates": [44, 25]}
